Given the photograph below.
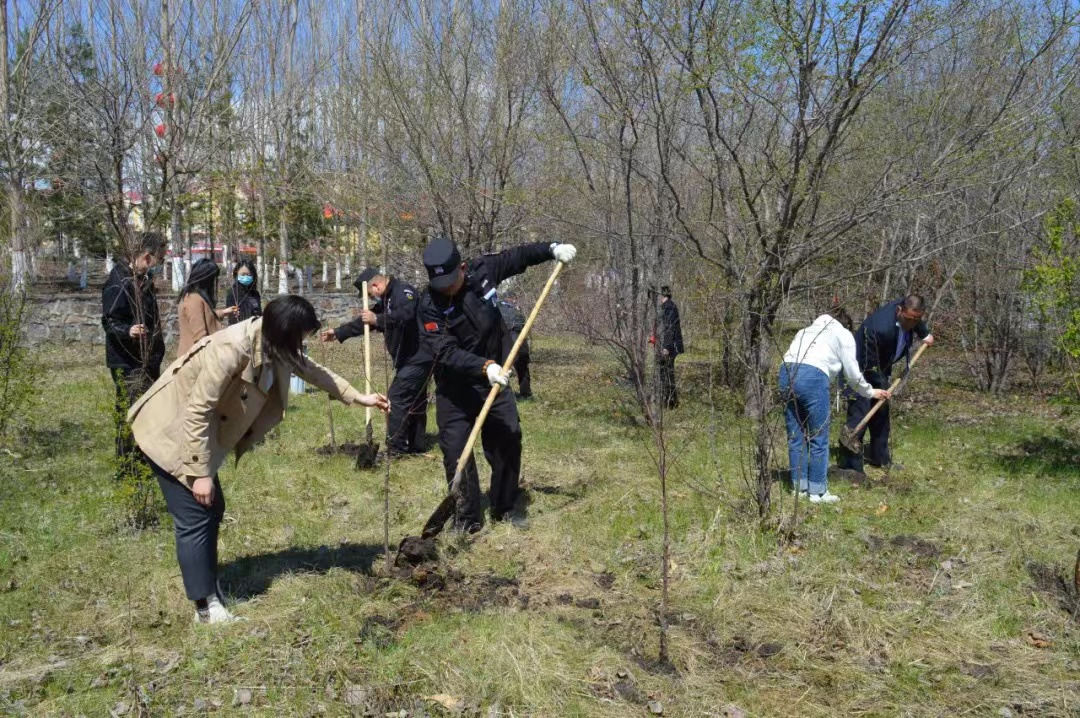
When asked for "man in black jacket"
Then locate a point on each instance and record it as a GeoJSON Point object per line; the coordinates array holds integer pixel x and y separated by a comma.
{"type": "Point", "coordinates": [884, 338]}
{"type": "Point", "coordinates": [394, 315]}
{"type": "Point", "coordinates": [515, 322]}
{"type": "Point", "coordinates": [134, 343]}
{"type": "Point", "coordinates": [462, 327]}
{"type": "Point", "coordinates": [671, 346]}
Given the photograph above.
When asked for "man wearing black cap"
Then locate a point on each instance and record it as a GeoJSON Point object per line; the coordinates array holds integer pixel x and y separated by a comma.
{"type": "Point", "coordinates": [671, 346]}
{"type": "Point", "coordinates": [462, 328]}
{"type": "Point", "coordinates": [394, 315]}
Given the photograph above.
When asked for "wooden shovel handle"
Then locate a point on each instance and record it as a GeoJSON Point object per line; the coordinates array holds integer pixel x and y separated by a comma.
{"type": "Point", "coordinates": [466, 453]}
{"type": "Point", "coordinates": [367, 354]}
{"type": "Point", "coordinates": [892, 387]}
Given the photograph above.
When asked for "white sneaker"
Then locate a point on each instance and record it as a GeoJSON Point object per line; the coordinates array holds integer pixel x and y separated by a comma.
{"type": "Point", "coordinates": [215, 613]}
{"type": "Point", "coordinates": [825, 498]}
{"type": "Point", "coordinates": [800, 495]}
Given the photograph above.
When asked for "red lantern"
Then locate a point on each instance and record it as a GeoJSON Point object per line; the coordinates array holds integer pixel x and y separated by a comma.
{"type": "Point", "coordinates": [160, 130]}
{"type": "Point", "coordinates": [327, 211]}
{"type": "Point", "coordinates": [159, 69]}
{"type": "Point", "coordinates": [161, 98]}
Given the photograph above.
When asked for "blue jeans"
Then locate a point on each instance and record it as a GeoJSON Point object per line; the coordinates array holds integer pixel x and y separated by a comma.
{"type": "Point", "coordinates": [805, 390]}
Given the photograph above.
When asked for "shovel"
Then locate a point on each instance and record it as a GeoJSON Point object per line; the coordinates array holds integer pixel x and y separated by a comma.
{"type": "Point", "coordinates": [369, 450]}
{"type": "Point", "coordinates": [851, 439]}
{"type": "Point", "coordinates": [446, 508]}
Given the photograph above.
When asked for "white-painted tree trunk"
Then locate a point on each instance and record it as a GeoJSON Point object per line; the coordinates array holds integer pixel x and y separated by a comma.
{"type": "Point", "coordinates": [283, 278]}
{"type": "Point", "coordinates": [108, 262]}
{"type": "Point", "coordinates": [177, 274]}
{"type": "Point", "coordinates": [348, 265]}
{"type": "Point", "coordinates": [325, 276]}
{"type": "Point", "coordinates": [71, 276]}
{"type": "Point", "coordinates": [76, 247]}
{"type": "Point", "coordinates": [85, 271]}
{"type": "Point", "coordinates": [225, 257]}
{"type": "Point", "coordinates": [187, 268]}
{"type": "Point", "coordinates": [20, 269]}
{"type": "Point", "coordinates": [259, 270]}
{"type": "Point", "coordinates": [337, 274]}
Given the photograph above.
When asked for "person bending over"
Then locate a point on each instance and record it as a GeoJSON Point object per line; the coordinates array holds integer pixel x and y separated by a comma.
{"type": "Point", "coordinates": [224, 395]}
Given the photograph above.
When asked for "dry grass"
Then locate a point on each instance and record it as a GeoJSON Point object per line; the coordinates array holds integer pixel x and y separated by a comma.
{"type": "Point", "coordinates": [911, 597]}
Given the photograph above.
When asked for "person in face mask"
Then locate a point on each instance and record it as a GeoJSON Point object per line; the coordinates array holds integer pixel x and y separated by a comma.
{"type": "Point", "coordinates": [244, 293]}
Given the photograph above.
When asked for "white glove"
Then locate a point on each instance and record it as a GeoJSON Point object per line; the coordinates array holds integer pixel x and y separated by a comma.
{"type": "Point", "coordinates": [564, 253]}
{"type": "Point", "coordinates": [495, 375]}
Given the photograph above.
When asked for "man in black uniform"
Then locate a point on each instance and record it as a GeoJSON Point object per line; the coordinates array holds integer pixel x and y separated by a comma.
{"type": "Point", "coordinates": [515, 322]}
{"type": "Point", "coordinates": [134, 343]}
{"type": "Point", "coordinates": [671, 346]}
{"type": "Point", "coordinates": [394, 315]}
{"type": "Point", "coordinates": [883, 339]}
{"type": "Point", "coordinates": [462, 327]}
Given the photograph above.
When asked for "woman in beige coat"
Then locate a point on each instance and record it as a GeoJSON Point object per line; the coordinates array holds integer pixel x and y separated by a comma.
{"type": "Point", "coordinates": [224, 395]}
{"type": "Point", "coordinates": [198, 315]}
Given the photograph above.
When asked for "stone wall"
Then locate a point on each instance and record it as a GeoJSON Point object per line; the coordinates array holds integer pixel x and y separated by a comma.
{"type": "Point", "coordinates": [76, 318]}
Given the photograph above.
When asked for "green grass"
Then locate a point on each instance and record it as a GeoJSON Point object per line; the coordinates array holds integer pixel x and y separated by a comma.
{"type": "Point", "coordinates": [848, 619]}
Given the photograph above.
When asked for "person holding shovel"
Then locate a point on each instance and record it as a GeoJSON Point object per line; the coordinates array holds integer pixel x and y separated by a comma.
{"type": "Point", "coordinates": [817, 355]}
{"type": "Point", "coordinates": [395, 316]}
{"type": "Point", "coordinates": [884, 338]}
{"type": "Point", "coordinates": [463, 330]}
{"type": "Point", "coordinates": [224, 396]}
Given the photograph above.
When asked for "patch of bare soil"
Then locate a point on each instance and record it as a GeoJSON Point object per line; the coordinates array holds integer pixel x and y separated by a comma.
{"type": "Point", "coordinates": [917, 546]}
{"type": "Point", "coordinates": [347, 449]}
{"type": "Point", "coordinates": [741, 648]}
{"type": "Point", "coordinates": [1051, 581]}
{"type": "Point", "coordinates": [472, 594]}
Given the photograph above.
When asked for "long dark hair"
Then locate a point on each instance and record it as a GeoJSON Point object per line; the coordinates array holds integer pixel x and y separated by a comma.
{"type": "Point", "coordinates": [203, 281]}
{"type": "Point", "coordinates": [286, 322]}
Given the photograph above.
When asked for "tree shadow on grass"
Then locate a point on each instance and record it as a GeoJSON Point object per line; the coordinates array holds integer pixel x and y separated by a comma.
{"type": "Point", "coordinates": [56, 439]}
{"type": "Point", "coordinates": [1056, 454]}
{"type": "Point", "coordinates": [250, 576]}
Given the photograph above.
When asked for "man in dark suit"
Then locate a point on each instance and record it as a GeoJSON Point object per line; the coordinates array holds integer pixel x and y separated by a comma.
{"type": "Point", "coordinates": [134, 341]}
{"type": "Point", "coordinates": [671, 346]}
{"type": "Point", "coordinates": [884, 338]}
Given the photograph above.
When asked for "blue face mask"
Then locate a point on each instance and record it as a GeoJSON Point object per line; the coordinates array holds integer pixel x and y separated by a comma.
{"type": "Point", "coordinates": [245, 279]}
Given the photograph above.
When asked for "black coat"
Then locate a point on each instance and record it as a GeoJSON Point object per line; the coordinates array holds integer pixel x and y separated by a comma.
{"type": "Point", "coordinates": [395, 317]}
{"type": "Point", "coordinates": [119, 305]}
{"type": "Point", "coordinates": [247, 299]}
{"type": "Point", "coordinates": [671, 329]}
{"type": "Point", "coordinates": [465, 331]}
{"type": "Point", "coordinates": [876, 343]}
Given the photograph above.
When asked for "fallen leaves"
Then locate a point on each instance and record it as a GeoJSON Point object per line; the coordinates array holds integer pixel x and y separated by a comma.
{"type": "Point", "coordinates": [1038, 640]}
{"type": "Point", "coordinates": [881, 509]}
{"type": "Point", "coordinates": [448, 702]}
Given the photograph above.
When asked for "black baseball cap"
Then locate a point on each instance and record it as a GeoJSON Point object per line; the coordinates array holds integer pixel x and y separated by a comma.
{"type": "Point", "coordinates": [443, 263]}
{"type": "Point", "coordinates": [365, 276]}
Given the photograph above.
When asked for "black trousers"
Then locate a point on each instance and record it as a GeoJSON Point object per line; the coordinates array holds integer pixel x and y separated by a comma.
{"type": "Point", "coordinates": [407, 424]}
{"type": "Point", "coordinates": [879, 426]}
{"type": "Point", "coordinates": [455, 411]}
{"type": "Point", "coordinates": [130, 385]}
{"type": "Point", "coordinates": [196, 528]}
{"type": "Point", "coordinates": [521, 368]}
{"type": "Point", "coordinates": [665, 371]}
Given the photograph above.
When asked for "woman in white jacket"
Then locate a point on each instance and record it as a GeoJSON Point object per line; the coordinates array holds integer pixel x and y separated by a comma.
{"type": "Point", "coordinates": [812, 363]}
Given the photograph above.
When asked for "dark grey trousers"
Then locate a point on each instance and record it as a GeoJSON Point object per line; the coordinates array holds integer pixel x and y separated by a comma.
{"type": "Point", "coordinates": [196, 529]}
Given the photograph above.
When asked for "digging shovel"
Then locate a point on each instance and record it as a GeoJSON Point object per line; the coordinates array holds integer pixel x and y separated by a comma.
{"type": "Point", "coordinates": [365, 458]}
{"type": "Point", "coordinates": [446, 508]}
{"type": "Point", "coordinates": [851, 439]}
